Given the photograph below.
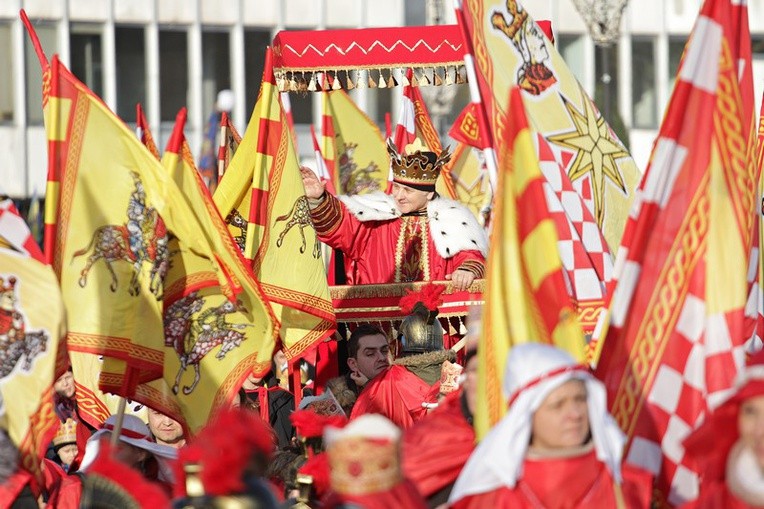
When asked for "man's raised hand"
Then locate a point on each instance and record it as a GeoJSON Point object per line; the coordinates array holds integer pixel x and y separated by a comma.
{"type": "Point", "coordinates": [314, 188]}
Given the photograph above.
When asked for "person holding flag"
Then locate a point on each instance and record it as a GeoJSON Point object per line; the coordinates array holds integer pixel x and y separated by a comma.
{"type": "Point", "coordinates": [411, 235]}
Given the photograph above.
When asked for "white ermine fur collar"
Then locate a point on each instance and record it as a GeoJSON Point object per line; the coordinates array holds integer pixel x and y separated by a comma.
{"type": "Point", "coordinates": [453, 227]}
{"type": "Point", "coordinates": [376, 206]}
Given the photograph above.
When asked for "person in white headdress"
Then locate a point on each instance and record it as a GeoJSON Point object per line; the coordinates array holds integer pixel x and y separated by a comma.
{"type": "Point", "coordinates": [136, 448]}
{"type": "Point", "coordinates": [556, 447]}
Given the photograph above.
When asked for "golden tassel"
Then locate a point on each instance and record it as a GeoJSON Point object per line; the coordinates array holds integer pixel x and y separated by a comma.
{"type": "Point", "coordinates": [459, 78]}
{"type": "Point", "coordinates": [449, 79]}
{"type": "Point", "coordinates": [404, 81]}
{"type": "Point", "coordinates": [336, 85]}
{"type": "Point", "coordinates": [312, 83]}
{"type": "Point", "coordinates": [382, 82]}
{"type": "Point", "coordinates": [414, 80]}
{"type": "Point", "coordinates": [391, 81]}
{"type": "Point", "coordinates": [349, 83]}
{"type": "Point", "coordinates": [424, 80]}
{"type": "Point", "coordinates": [436, 77]}
{"type": "Point", "coordinates": [372, 83]}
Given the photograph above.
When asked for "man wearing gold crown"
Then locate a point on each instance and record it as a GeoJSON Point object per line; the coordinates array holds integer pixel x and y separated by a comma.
{"type": "Point", "coordinates": [411, 235]}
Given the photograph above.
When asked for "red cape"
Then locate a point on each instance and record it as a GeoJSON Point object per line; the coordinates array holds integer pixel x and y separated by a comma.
{"type": "Point", "coordinates": [397, 393]}
{"type": "Point", "coordinates": [436, 448]}
{"type": "Point", "coordinates": [566, 483]}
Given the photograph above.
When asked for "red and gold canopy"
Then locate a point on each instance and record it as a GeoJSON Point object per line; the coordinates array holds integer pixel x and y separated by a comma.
{"type": "Point", "coordinates": [375, 57]}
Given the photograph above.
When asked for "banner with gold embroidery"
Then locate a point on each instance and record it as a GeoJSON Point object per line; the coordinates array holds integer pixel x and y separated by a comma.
{"type": "Point", "coordinates": [32, 353]}
{"type": "Point", "coordinates": [511, 50]}
{"type": "Point", "coordinates": [265, 207]}
{"type": "Point", "coordinates": [110, 211]}
{"type": "Point", "coordinates": [676, 334]}
{"type": "Point", "coordinates": [523, 266]}
{"type": "Point", "coordinates": [361, 162]}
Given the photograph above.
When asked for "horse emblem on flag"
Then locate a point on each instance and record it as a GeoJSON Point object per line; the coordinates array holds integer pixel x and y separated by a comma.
{"type": "Point", "coordinates": [193, 332]}
{"type": "Point", "coordinates": [299, 216]}
{"type": "Point", "coordinates": [143, 238]}
{"type": "Point", "coordinates": [534, 75]}
{"type": "Point", "coordinates": [236, 220]}
{"type": "Point", "coordinates": [15, 340]}
{"type": "Point", "coordinates": [355, 180]}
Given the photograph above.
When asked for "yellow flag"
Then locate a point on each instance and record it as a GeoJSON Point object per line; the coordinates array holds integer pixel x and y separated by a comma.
{"type": "Point", "coordinates": [263, 200]}
{"type": "Point", "coordinates": [361, 161]}
{"type": "Point", "coordinates": [32, 329]}
{"type": "Point", "coordinates": [511, 50]}
{"type": "Point", "coordinates": [465, 178]}
{"type": "Point", "coordinates": [110, 212]}
{"type": "Point", "coordinates": [524, 266]}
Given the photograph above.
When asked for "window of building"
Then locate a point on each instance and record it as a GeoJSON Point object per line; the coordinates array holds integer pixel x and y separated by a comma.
{"type": "Point", "coordinates": [675, 51]}
{"type": "Point", "coordinates": [606, 87]}
{"type": "Point", "coordinates": [644, 100]}
{"type": "Point", "coordinates": [173, 73]}
{"type": "Point", "coordinates": [6, 78]}
{"type": "Point", "coordinates": [571, 48]}
{"type": "Point", "coordinates": [255, 42]}
{"type": "Point", "coordinates": [216, 68]}
{"type": "Point", "coordinates": [86, 57]}
{"type": "Point", "coordinates": [48, 34]}
{"type": "Point", "coordinates": [130, 47]}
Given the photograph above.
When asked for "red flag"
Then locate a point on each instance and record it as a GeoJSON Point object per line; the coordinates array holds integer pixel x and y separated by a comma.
{"type": "Point", "coordinates": [677, 325]}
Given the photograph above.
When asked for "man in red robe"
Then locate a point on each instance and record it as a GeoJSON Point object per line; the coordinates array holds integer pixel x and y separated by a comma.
{"type": "Point", "coordinates": [557, 446]}
{"type": "Point", "coordinates": [411, 235]}
{"type": "Point", "coordinates": [436, 448]}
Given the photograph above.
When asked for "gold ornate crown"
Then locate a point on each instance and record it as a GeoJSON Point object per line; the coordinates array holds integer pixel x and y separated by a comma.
{"type": "Point", "coordinates": [67, 433]}
{"type": "Point", "coordinates": [363, 465]}
{"type": "Point", "coordinates": [417, 167]}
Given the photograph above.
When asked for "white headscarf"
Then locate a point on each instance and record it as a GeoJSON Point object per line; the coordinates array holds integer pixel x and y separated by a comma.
{"type": "Point", "coordinates": [136, 433]}
{"type": "Point", "coordinates": [533, 371]}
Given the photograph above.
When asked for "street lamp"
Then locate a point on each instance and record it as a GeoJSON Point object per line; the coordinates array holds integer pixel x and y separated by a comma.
{"type": "Point", "coordinates": [603, 19]}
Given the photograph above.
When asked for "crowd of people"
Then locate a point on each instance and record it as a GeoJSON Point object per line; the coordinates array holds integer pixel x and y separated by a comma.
{"type": "Point", "coordinates": [397, 430]}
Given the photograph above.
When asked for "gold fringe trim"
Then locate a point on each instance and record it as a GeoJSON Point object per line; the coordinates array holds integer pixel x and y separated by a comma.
{"type": "Point", "coordinates": [308, 80]}
{"type": "Point", "coordinates": [395, 289]}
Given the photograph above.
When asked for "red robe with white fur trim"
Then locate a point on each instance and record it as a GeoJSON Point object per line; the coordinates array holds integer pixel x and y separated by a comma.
{"type": "Point", "coordinates": [387, 248]}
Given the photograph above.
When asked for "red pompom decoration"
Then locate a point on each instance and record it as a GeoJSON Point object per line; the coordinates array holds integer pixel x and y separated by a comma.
{"type": "Point", "coordinates": [429, 296]}
{"type": "Point", "coordinates": [309, 424]}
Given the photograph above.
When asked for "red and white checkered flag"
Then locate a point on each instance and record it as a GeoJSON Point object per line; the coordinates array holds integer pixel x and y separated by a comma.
{"type": "Point", "coordinates": [676, 332]}
{"type": "Point", "coordinates": [14, 230]}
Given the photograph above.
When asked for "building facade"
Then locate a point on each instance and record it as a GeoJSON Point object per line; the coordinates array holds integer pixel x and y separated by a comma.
{"type": "Point", "coordinates": [167, 54]}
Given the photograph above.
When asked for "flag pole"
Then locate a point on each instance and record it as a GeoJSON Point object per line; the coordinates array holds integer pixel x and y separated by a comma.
{"type": "Point", "coordinates": [120, 419]}
{"type": "Point", "coordinates": [491, 160]}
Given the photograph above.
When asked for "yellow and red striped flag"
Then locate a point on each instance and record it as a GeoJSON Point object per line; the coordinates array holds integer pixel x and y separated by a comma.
{"type": "Point", "coordinates": [353, 146]}
{"type": "Point", "coordinates": [676, 334]}
{"type": "Point", "coordinates": [143, 132]}
{"type": "Point", "coordinates": [32, 331]}
{"type": "Point", "coordinates": [263, 200]}
{"type": "Point", "coordinates": [523, 263]}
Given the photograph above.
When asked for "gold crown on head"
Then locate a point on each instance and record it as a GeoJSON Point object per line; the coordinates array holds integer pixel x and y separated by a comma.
{"type": "Point", "coordinates": [416, 166]}
{"type": "Point", "coordinates": [67, 433]}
